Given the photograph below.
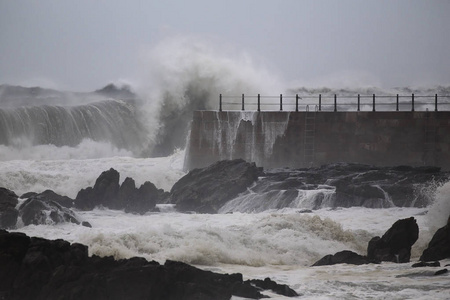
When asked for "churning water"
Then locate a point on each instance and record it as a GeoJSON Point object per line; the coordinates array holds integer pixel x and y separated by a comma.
{"type": "Point", "coordinates": [65, 147]}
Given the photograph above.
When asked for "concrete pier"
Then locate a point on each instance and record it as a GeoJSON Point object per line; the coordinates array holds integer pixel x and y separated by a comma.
{"type": "Point", "coordinates": [303, 139]}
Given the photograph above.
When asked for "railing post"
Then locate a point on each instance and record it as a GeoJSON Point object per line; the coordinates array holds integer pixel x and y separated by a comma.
{"type": "Point", "coordinates": [435, 102]}
{"type": "Point", "coordinates": [320, 102]}
{"type": "Point", "coordinates": [281, 102]}
{"type": "Point", "coordinates": [259, 102]}
{"type": "Point", "coordinates": [412, 102]}
{"type": "Point", "coordinates": [373, 102]}
{"type": "Point", "coordinates": [359, 102]}
{"type": "Point", "coordinates": [335, 102]}
{"type": "Point", "coordinates": [243, 102]}
{"type": "Point", "coordinates": [220, 102]}
{"type": "Point", "coordinates": [296, 102]}
{"type": "Point", "coordinates": [397, 103]}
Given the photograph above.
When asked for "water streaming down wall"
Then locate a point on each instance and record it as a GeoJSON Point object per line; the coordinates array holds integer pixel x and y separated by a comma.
{"type": "Point", "coordinates": [247, 135]}
{"type": "Point", "coordinates": [253, 202]}
{"type": "Point", "coordinates": [111, 121]}
{"type": "Point", "coordinates": [277, 139]}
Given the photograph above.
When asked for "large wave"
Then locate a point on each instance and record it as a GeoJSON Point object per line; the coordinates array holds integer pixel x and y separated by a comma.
{"type": "Point", "coordinates": [111, 121]}
{"type": "Point", "coordinates": [187, 74]}
{"type": "Point", "coordinates": [180, 75]}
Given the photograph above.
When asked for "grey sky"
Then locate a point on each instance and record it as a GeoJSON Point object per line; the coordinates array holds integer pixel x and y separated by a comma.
{"type": "Point", "coordinates": [83, 45]}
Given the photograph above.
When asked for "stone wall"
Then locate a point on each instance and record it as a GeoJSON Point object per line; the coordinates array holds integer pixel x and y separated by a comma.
{"type": "Point", "coordinates": [301, 139]}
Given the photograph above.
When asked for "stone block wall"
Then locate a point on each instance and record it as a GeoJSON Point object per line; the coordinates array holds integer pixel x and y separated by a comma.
{"type": "Point", "coordinates": [278, 139]}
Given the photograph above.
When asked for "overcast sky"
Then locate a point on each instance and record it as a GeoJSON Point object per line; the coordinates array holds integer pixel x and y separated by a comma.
{"type": "Point", "coordinates": [83, 45]}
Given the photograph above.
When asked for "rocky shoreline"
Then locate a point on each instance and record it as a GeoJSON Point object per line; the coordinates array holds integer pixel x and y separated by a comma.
{"type": "Point", "coordinates": [395, 246]}
{"type": "Point", "coordinates": [36, 268]}
{"type": "Point", "coordinates": [206, 190]}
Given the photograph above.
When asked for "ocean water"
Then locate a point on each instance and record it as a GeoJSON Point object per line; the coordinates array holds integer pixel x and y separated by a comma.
{"type": "Point", "coordinates": [280, 244]}
{"type": "Point", "coordinates": [64, 141]}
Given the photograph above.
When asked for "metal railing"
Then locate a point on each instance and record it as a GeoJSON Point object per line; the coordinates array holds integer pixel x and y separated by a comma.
{"type": "Point", "coordinates": [336, 103]}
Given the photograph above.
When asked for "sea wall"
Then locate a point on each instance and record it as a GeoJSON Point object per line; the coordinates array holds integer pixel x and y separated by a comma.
{"type": "Point", "coordinates": [303, 139]}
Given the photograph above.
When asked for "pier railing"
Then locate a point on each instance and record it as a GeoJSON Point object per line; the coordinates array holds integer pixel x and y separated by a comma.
{"type": "Point", "coordinates": [336, 102]}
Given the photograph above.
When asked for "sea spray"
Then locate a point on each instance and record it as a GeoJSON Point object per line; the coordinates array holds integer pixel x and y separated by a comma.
{"type": "Point", "coordinates": [439, 211]}
{"type": "Point", "coordinates": [252, 202]}
{"type": "Point", "coordinates": [182, 74]}
{"type": "Point", "coordinates": [186, 74]}
{"type": "Point", "coordinates": [67, 176]}
{"type": "Point", "coordinates": [106, 121]}
{"type": "Point", "coordinates": [249, 135]}
{"type": "Point", "coordinates": [237, 239]}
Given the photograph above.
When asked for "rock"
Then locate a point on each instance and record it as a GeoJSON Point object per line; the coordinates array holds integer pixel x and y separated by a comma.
{"type": "Point", "coordinates": [36, 268]}
{"type": "Point", "coordinates": [426, 264]}
{"type": "Point", "coordinates": [125, 194]}
{"type": "Point", "coordinates": [395, 245]}
{"type": "Point", "coordinates": [439, 246]}
{"type": "Point", "coordinates": [204, 283]}
{"type": "Point", "coordinates": [423, 274]}
{"type": "Point", "coordinates": [343, 257]}
{"type": "Point", "coordinates": [50, 195]}
{"type": "Point", "coordinates": [108, 193]}
{"type": "Point", "coordinates": [364, 195]}
{"type": "Point", "coordinates": [28, 195]}
{"type": "Point", "coordinates": [38, 210]}
{"type": "Point", "coordinates": [268, 284]}
{"type": "Point", "coordinates": [104, 191]}
{"type": "Point", "coordinates": [8, 211]}
{"type": "Point", "coordinates": [143, 199]}
{"type": "Point", "coordinates": [441, 272]}
{"type": "Point", "coordinates": [46, 208]}
{"type": "Point", "coordinates": [206, 190]}
{"type": "Point", "coordinates": [345, 185]}
{"type": "Point", "coordinates": [13, 247]}
{"type": "Point", "coordinates": [86, 224]}
{"type": "Point", "coordinates": [61, 200]}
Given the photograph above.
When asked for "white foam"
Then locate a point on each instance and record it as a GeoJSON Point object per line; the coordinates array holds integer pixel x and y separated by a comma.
{"type": "Point", "coordinates": [279, 245]}
{"type": "Point", "coordinates": [87, 149]}
{"type": "Point", "coordinates": [68, 176]}
{"type": "Point", "coordinates": [439, 211]}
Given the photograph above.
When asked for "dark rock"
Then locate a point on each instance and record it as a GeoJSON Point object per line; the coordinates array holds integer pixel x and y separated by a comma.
{"type": "Point", "coordinates": [268, 284]}
{"type": "Point", "coordinates": [426, 264]}
{"type": "Point", "coordinates": [188, 280]}
{"type": "Point", "coordinates": [38, 210]}
{"type": "Point", "coordinates": [395, 245]}
{"type": "Point", "coordinates": [8, 211]}
{"type": "Point", "coordinates": [125, 194]}
{"type": "Point", "coordinates": [106, 188]}
{"type": "Point", "coordinates": [35, 268]}
{"type": "Point", "coordinates": [13, 247]}
{"type": "Point", "coordinates": [440, 272]}
{"type": "Point", "coordinates": [206, 190]}
{"type": "Point", "coordinates": [113, 91]}
{"type": "Point", "coordinates": [439, 246]}
{"type": "Point", "coordinates": [82, 201]}
{"type": "Point", "coordinates": [143, 199]}
{"type": "Point", "coordinates": [86, 224]}
{"type": "Point", "coordinates": [46, 208]}
{"type": "Point", "coordinates": [361, 195]}
{"type": "Point", "coordinates": [423, 274]}
{"type": "Point", "coordinates": [28, 195]}
{"type": "Point", "coordinates": [353, 185]}
{"type": "Point", "coordinates": [108, 193]}
{"type": "Point", "coordinates": [343, 257]}
{"type": "Point", "coordinates": [50, 195]}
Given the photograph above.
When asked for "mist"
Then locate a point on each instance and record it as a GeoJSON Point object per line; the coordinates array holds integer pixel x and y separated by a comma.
{"type": "Point", "coordinates": [83, 45]}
